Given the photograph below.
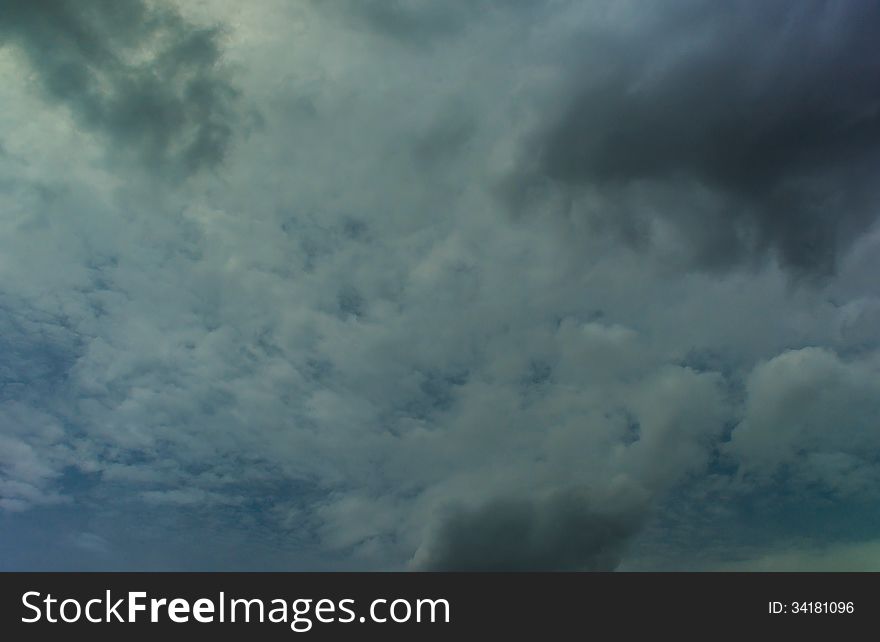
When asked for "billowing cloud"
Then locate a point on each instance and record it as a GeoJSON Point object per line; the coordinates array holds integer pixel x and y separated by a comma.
{"type": "Point", "coordinates": [813, 417]}
{"type": "Point", "coordinates": [741, 130]}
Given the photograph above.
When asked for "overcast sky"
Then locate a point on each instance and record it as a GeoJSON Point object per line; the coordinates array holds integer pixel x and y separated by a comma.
{"type": "Point", "coordinates": [433, 285]}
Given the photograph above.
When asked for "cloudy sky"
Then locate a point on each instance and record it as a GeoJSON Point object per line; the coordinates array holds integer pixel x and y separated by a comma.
{"type": "Point", "coordinates": [411, 284]}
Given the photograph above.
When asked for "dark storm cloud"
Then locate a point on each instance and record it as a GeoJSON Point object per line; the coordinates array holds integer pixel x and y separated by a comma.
{"type": "Point", "coordinates": [750, 127]}
{"type": "Point", "coordinates": [568, 530]}
{"type": "Point", "coordinates": [137, 72]}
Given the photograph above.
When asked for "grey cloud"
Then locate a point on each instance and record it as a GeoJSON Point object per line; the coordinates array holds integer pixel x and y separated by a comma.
{"type": "Point", "coordinates": [138, 73]}
{"type": "Point", "coordinates": [566, 530]}
{"type": "Point", "coordinates": [749, 129]}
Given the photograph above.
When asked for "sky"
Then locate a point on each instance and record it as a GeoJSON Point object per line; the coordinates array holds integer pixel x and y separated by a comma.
{"type": "Point", "coordinates": [421, 285]}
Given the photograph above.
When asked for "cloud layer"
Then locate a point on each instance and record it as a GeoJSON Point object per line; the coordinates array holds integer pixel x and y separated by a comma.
{"type": "Point", "coordinates": [512, 288]}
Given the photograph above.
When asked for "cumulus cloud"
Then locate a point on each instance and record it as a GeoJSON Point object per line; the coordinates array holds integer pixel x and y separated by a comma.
{"type": "Point", "coordinates": [814, 416]}
{"type": "Point", "coordinates": [566, 530]}
{"type": "Point", "coordinates": [140, 75]}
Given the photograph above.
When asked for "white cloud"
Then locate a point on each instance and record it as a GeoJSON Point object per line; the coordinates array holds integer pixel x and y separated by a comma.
{"type": "Point", "coordinates": [815, 415]}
